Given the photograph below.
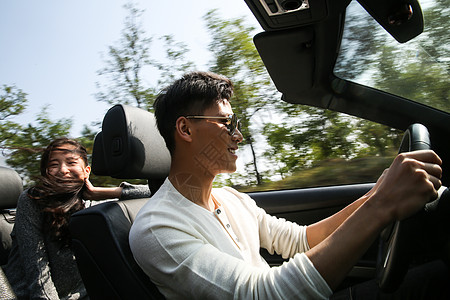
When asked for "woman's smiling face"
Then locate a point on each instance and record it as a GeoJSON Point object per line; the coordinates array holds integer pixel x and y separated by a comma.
{"type": "Point", "coordinates": [65, 162]}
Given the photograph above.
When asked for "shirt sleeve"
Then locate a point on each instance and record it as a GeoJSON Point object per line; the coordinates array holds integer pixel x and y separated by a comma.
{"type": "Point", "coordinates": [32, 250]}
{"type": "Point", "coordinates": [281, 236]}
{"type": "Point", "coordinates": [276, 234]}
{"type": "Point", "coordinates": [132, 191]}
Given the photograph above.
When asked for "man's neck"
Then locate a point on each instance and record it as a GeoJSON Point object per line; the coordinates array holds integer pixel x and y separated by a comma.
{"type": "Point", "coordinates": [193, 187]}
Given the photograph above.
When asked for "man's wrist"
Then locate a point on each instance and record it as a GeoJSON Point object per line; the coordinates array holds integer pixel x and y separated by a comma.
{"type": "Point", "coordinates": [380, 213]}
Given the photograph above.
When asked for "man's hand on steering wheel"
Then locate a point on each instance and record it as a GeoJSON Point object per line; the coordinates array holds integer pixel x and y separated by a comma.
{"type": "Point", "coordinates": [412, 180]}
{"type": "Point", "coordinates": [416, 174]}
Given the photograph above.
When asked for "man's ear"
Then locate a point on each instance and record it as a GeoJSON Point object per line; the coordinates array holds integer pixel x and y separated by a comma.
{"type": "Point", "coordinates": [183, 129]}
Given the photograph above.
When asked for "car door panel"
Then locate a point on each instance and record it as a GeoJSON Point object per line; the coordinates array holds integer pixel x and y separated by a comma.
{"type": "Point", "coordinates": [305, 206]}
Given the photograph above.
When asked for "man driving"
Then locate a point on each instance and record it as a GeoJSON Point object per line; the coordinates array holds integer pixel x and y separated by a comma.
{"type": "Point", "coordinates": [199, 242]}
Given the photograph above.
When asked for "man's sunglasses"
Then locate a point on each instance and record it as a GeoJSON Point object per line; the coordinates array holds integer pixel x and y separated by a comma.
{"type": "Point", "coordinates": [232, 121]}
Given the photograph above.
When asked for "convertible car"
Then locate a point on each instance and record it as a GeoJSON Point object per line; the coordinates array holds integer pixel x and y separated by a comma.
{"type": "Point", "coordinates": [304, 45]}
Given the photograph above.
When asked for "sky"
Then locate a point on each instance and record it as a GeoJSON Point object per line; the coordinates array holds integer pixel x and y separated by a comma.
{"type": "Point", "coordinates": [51, 49]}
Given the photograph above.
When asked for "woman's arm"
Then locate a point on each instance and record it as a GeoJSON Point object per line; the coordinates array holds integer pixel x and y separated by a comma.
{"type": "Point", "coordinates": [124, 191]}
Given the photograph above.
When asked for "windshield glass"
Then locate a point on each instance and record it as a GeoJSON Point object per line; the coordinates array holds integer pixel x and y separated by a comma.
{"type": "Point", "coordinates": [417, 70]}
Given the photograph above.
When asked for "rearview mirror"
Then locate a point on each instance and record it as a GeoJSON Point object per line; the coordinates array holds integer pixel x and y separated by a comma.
{"type": "Point", "coordinates": [402, 19]}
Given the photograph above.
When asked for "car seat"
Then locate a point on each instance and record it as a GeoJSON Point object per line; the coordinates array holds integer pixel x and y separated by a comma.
{"type": "Point", "coordinates": [128, 147]}
{"type": "Point", "coordinates": [11, 187]}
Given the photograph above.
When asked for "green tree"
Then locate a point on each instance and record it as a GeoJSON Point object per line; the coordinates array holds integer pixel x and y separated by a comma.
{"type": "Point", "coordinates": [418, 79]}
{"type": "Point", "coordinates": [27, 145]}
{"type": "Point", "coordinates": [436, 42]}
{"type": "Point", "coordinates": [23, 144]}
{"type": "Point", "coordinates": [360, 37]}
{"type": "Point", "coordinates": [13, 102]}
{"type": "Point", "coordinates": [359, 55]}
{"type": "Point", "coordinates": [125, 65]}
{"type": "Point", "coordinates": [368, 52]}
{"type": "Point", "coordinates": [420, 76]}
{"type": "Point", "coordinates": [130, 61]}
{"type": "Point", "coordinates": [309, 136]}
{"type": "Point", "coordinates": [175, 54]}
{"type": "Point", "coordinates": [376, 139]}
{"type": "Point", "coordinates": [286, 157]}
{"type": "Point", "coordinates": [235, 56]}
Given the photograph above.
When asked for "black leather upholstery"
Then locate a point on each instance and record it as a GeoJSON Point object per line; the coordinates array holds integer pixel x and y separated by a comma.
{"type": "Point", "coordinates": [98, 163]}
{"type": "Point", "coordinates": [10, 189]}
{"type": "Point", "coordinates": [105, 261]}
{"type": "Point", "coordinates": [129, 146]}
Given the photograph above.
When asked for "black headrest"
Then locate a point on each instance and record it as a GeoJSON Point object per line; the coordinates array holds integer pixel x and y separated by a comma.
{"type": "Point", "coordinates": [11, 187]}
{"type": "Point", "coordinates": [130, 145]}
{"type": "Point", "coordinates": [98, 158]}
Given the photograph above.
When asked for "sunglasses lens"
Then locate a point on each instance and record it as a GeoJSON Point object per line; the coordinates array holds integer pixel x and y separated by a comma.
{"type": "Point", "coordinates": [234, 124]}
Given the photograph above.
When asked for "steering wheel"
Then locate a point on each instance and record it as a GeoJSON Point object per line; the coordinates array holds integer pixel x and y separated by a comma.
{"type": "Point", "coordinates": [396, 240]}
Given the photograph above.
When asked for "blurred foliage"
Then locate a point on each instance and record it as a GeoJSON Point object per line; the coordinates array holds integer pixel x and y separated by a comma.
{"type": "Point", "coordinates": [306, 136]}
{"type": "Point", "coordinates": [129, 62]}
{"type": "Point", "coordinates": [24, 148]}
{"type": "Point", "coordinates": [436, 41]}
{"type": "Point", "coordinates": [376, 138]}
{"type": "Point", "coordinates": [124, 66]}
{"type": "Point", "coordinates": [175, 63]}
{"type": "Point", "coordinates": [433, 88]}
{"type": "Point", "coordinates": [417, 70]}
{"type": "Point", "coordinates": [336, 171]}
{"type": "Point", "coordinates": [13, 102]}
{"type": "Point", "coordinates": [235, 56]}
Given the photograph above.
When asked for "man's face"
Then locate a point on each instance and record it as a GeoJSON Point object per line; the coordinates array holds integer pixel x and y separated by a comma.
{"type": "Point", "coordinates": [216, 148]}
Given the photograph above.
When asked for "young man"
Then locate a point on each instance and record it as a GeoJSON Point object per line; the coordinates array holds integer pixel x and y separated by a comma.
{"type": "Point", "coordinates": [196, 242]}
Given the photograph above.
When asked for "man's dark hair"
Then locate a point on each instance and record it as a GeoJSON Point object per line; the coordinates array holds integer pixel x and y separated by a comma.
{"type": "Point", "coordinates": [192, 94]}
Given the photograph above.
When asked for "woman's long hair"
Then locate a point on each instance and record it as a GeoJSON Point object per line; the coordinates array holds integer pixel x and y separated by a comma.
{"type": "Point", "coordinates": [58, 198]}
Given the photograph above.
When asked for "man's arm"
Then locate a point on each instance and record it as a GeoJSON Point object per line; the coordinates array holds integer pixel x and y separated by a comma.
{"type": "Point", "coordinates": [410, 182]}
{"type": "Point", "coordinates": [319, 231]}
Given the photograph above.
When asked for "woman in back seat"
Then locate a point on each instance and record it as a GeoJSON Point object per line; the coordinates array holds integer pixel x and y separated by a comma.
{"type": "Point", "coordinates": [41, 264]}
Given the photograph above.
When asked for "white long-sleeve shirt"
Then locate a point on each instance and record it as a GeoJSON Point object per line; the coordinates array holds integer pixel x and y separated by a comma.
{"type": "Point", "coordinates": [192, 253]}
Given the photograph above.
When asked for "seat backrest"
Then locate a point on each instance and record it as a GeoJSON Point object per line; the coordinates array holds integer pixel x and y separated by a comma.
{"type": "Point", "coordinates": [104, 258]}
{"type": "Point", "coordinates": [11, 187]}
{"type": "Point", "coordinates": [129, 146]}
